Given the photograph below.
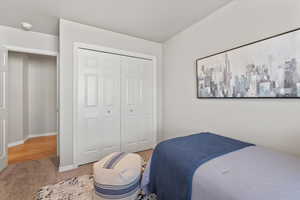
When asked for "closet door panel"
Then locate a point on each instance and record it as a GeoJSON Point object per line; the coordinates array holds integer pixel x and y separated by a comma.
{"type": "Point", "coordinates": [98, 132]}
{"type": "Point", "coordinates": [137, 104]}
{"type": "Point", "coordinates": [91, 83]}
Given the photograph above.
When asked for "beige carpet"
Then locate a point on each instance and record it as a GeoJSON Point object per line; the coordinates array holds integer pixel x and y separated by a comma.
{"type": "Point", "coordinates": [22, 181]}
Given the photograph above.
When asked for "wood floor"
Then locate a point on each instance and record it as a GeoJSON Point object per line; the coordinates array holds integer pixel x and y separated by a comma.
{"type": "Point", "coordinates": [33, 149]}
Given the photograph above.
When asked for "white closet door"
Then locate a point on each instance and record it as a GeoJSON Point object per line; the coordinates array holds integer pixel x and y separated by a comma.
{"type": "Point", "coordinates": [98, 132]}
{"type": "Point", "coordinates": [138, 130]}
{"type": "Point", "coordinates": [3, 107]}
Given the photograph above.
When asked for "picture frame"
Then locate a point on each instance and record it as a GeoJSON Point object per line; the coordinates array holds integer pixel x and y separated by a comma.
{"type": "Point", "coordinates": [266, 68]}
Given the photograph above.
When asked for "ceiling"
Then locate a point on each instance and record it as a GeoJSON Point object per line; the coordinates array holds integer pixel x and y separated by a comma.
{"type": "Point", "coordinates": [155, 20]}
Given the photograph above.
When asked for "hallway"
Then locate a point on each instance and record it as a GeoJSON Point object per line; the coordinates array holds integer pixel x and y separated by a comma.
{"type": "Point", "coordinates": [33, 149]}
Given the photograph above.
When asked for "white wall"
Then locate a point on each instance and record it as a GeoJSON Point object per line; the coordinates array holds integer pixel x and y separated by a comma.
{"type": "Point", "coordinates": [25, 96]}
{"type": "Point", "coordinates": [42, 95]}
{"type": "Point", "coordinates": [71, 32]}
{"type": "Point", "coordinates": [27, 39]}
{"type": "Point", "coordinates": [15, 93]}
{"type": "Point", "coordinates": [272, 123]}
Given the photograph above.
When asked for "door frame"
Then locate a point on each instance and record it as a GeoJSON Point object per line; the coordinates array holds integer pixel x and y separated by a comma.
{"type": "Point", "coordinates": [31, 51]}
{"type": "Point", "coordinates": [109, 50]}
{"type": "Point", "coordinates": [18, 49]}
{"type": "Point", "coordinates": [4, 109]}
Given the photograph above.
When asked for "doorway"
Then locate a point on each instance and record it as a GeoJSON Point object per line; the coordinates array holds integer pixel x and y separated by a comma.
{"type": "Point", "coordinates": [33, 107]}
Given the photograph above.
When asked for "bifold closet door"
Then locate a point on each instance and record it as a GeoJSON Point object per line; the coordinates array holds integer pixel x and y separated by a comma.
{"type": "Point", "coordinates": [98, 131]}
{"type": "Point", "coordinates": [137, 121]}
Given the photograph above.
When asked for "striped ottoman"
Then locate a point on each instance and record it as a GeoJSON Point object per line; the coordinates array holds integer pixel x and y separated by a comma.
{"type": "Point", "coordinates": [117, 176]}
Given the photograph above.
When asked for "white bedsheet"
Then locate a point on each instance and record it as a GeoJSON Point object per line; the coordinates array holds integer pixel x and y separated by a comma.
{"type": "Point", "coordinates": [252, 173]}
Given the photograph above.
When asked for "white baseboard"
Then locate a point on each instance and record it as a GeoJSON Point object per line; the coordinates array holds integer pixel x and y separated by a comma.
{"type": "Point", "coordinates": [12, 144]}
{"type": "Point", "coordinates": [41, 135]}
{"type": "Point", "coordinates": [66, 168]}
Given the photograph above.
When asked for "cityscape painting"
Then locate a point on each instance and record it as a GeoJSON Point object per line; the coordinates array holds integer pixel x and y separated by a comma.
{"type": "Point", "coordinates": [269, 68]}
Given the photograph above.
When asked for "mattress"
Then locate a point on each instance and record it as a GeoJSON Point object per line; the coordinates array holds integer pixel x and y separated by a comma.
{"type": "Point", "coordinates": [250, 173]}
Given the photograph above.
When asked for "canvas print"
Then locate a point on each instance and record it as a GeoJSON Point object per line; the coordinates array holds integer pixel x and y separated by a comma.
{"type": "Point", "coordinates": [266, 69]}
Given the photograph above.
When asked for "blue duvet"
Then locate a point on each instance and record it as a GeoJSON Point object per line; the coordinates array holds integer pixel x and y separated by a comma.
{"type": "Point", "coordinates": [174, 162]}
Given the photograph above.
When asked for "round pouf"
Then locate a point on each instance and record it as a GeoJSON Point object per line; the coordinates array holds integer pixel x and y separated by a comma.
{"type": "Point", "coordinates": [117, 176]}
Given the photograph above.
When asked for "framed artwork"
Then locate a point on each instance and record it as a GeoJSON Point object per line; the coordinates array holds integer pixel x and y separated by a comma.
{"type": "Point", "coordinates": [268, 68]}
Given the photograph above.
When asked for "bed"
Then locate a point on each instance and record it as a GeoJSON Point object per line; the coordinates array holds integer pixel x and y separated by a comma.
{"type": "Point", "coordinates": [208, 166]}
